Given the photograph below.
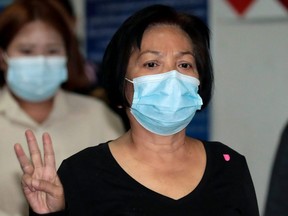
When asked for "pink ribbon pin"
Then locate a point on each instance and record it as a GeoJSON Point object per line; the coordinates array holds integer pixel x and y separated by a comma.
{"type": "Point", "coordinates": [226, 157]}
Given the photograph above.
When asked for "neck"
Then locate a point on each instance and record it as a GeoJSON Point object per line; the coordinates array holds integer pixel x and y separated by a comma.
{"type": "Point", "coordinates": [157, 143]}
{"type": "Point", "coordinates": [158, 150]}
{"type": "Point", "coordinates": [39, 111]}
{"type": "Point", "coordinates": [154, 149]}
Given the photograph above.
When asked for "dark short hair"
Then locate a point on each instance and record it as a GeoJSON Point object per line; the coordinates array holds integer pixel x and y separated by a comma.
{"type": "Point", "coordinates": [68, 6]}
{"type": "Point", "coordinates": [22, 12]}
{"type": "Point", "coordinates": [129, 36]}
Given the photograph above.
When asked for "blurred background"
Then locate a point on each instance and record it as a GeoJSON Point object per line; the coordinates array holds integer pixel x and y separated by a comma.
{"type": "Point", "coordinates": [250, 55]}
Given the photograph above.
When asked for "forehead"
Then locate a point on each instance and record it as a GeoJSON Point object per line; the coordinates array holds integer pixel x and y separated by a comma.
{"type": "Point", "coordinates": [166, 36]}
{"type": "Point", "coordinates": [37, 32]}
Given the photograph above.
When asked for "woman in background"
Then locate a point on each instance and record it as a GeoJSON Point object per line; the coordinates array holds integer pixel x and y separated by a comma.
{"type": "Point", "coordinates": [40, 66]}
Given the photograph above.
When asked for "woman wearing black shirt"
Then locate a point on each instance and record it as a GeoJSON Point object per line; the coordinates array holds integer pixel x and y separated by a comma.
{"type": "Point", "coordinates": [157, 68]}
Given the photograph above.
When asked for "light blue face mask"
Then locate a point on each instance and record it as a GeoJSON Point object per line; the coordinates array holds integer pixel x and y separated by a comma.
{"type": "Point", "coordinates": [36, 78]}
{"type": "Point", "coordinates": [165, 103]}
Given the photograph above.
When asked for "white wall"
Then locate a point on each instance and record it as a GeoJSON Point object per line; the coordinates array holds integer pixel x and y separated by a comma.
{"type": "Point", "coordinates": [250, 105]}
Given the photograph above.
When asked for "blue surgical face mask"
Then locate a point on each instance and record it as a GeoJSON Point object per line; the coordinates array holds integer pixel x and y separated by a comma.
{"type": "Point", "coordinates": [36, 78]}
{"type": "Point", "coordinates": [165, 103]}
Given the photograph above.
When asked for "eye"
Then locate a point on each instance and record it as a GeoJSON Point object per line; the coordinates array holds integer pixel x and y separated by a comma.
{"type": "Point", "coordinates": [186, 66]}
{"type": "Point", "coordinates": [53, 52]}
{"type": "Point", "coordinates": [55, 49]}
{"type": "Point", "coordinates": [151, 64]}
{"type": "Point", "coordinates": [26, 51]}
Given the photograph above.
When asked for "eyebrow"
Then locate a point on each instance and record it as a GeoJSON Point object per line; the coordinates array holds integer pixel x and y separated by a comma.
{"type": "Point", "coordinates": [149, 52]}
{"type": "Point", "coordinates": [33, 44]}
{"type": "Point", "coordinates": [21, 44]}
{"type": "Point", "coordinates": [182, 53]}
{"type": "Point", "coordinates": [186, 53]}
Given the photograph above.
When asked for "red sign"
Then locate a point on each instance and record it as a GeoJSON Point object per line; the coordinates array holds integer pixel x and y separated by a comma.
{"type": "Point", "coordinates": [284, 3]}
{"type": "Point", "coordinates": [241, 6]}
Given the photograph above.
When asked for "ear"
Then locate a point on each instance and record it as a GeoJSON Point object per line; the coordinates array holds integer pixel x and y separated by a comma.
{"type": "Point", "coordinates": [3, 61]}
{"type": "Point", "coordinates": [1, 54]}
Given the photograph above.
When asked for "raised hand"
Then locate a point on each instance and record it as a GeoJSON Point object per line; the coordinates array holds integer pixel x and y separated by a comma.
{"type": "Point", "coordinates": [40, 182]}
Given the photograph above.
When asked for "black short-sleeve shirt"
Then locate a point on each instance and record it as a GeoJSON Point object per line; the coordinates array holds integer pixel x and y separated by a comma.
{"type": "Point", "coordinates": [95, 184]}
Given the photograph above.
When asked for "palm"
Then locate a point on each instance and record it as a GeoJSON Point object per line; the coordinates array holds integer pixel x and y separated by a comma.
{"type": "Point", "coordinates": [40, 182]}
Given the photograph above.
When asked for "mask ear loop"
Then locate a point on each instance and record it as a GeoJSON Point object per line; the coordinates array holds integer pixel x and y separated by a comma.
{"type": "Point", "coordinates": [4, 57]}
{"type": "Point", "coordinates": [4, 64]}
{"type": "Point", "coordinates": [129, 80]}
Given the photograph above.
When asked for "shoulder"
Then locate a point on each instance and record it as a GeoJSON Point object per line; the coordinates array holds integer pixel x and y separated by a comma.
{"type": "Point", "coordinates": [95, 109]}
{"type": "Point", "coordinates": [83, 100]}
{"type": "Point", "coordinates": [222, 157]}
{"type": "Point", "coordinates": [86, 171]}
{"type": "Point", "coordinates": [84, 163]}
{"type": "Point", "coordinates": [228, 175]}
{"type": "Point", "coordinates": [226, 166]}
{"type": "Point", "coordinates": [90, 155]}
{"type": "Point", "coordinates": [218, 148]}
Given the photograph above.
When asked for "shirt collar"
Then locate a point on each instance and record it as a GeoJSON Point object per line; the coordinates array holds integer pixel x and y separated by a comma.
{"type": "Point", "coordinates": [11, 109]}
